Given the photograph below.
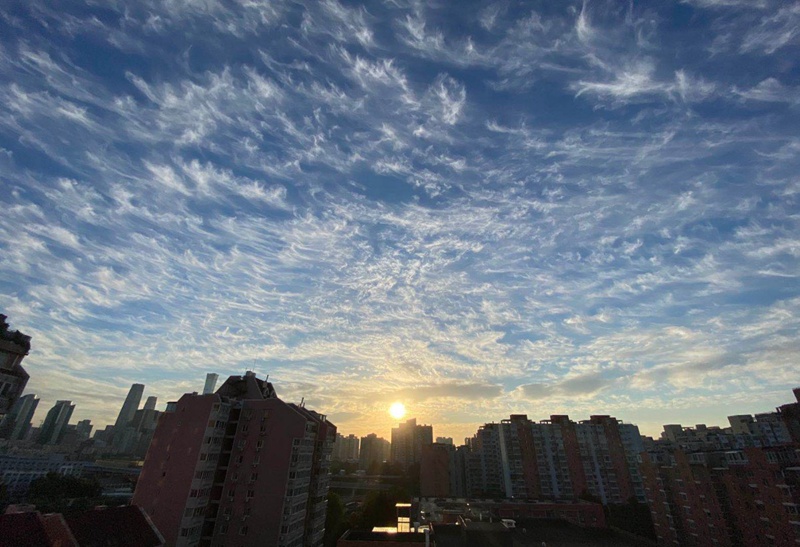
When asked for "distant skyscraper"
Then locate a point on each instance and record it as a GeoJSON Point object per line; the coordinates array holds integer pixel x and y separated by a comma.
{"type": "Point", "coordinates": [238, 467]}
{"type": "Point", "coordinates": [14, 346]}
{"type": "Point", "coordinates": [444, 440]}
{"type": "Point", "coordinates": [211, 383]}
{"type": "Point", "coordinates": [150, 404]}
{"type": "Point", "coordinates": [83, 429]}
{"type": "Point", "coordinates": [17, 423]}
{"type": "Point", "coordinates": [130, 406]}
{"type": "Point", "coordinates": [408, 440]}
{"type": "Point", "coordinates": [55, 424]}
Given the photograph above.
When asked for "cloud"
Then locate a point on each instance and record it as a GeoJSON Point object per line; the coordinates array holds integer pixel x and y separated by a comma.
{"type": "Point", "coordinates": [567, 210]}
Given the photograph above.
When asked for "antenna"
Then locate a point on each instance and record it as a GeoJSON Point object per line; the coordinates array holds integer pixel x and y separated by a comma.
{"type": "Point", "coordinates": [302, 402]}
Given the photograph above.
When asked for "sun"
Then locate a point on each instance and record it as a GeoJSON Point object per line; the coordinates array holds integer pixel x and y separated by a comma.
{"type": "Point", "coordinates": [397, 410]}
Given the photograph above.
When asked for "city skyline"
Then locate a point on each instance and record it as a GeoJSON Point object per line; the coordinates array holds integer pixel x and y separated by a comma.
{"type": "Point", "coordinates": [533, 208]}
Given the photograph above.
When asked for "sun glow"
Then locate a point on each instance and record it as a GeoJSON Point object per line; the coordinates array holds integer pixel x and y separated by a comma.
{"type": "Point", "coordinates": [397, 410]}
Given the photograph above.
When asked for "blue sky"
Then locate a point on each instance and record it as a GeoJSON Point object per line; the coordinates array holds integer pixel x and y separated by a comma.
{"type": "Point", "coordinates": [476, 208]}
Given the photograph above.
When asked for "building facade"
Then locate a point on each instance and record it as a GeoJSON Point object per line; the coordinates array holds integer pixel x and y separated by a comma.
{"type": "Point", "coordinates": [557, 459]}
{"type": "Point", "coordinates": [238, 467]}
{"type": "Point", "coordinates": [14, 346]}
{"type": "Point", "coordinates": [726, 498]}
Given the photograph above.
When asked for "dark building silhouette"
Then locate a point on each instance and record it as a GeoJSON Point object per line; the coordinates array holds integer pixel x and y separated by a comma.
{"type": "Point", "coordinates": [17, 423]}
{"type": "Point", "coordinates": [374, 450]}
{"type": "Point", "coordinates": [14, 346]}
{"type": "Point", "coordinates": [55, 424]}
{"type": "Point", "coordinates": [407, 441]}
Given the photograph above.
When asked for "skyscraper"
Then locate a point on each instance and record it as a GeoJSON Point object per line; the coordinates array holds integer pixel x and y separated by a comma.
{"type": "Point", "coordinates": [14, 346]}
{"type": "Point", "coordinates": [238, 467]}
{"type": "Point", "coordinates": [17, 423]}
{"type": "Point", "coordinates": [130, 406]}
{"type": "Point", "coordinates": [211, 383]}
{"type": "Point", "coordinates": [83, 429]}
{"type": "Point", "coordinates": [150, 404]}
{"type": "Point", "coordinates": [55, 424]}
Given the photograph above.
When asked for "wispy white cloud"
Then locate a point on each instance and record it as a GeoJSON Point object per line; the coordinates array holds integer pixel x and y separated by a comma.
{"type": "Point", "coordinates": [372, 202]}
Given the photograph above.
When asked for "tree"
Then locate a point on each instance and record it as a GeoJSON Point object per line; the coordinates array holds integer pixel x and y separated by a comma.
{"type": "Point", "coordinates": [335, 523]}
{"type": "Point", "coordinates": [56, 493]}
{"type": "Point", "coordinates": [379, 508]}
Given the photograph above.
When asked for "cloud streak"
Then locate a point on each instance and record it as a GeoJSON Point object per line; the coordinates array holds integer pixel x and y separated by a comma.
{"type": "Point", "coordinates": [543, 209]}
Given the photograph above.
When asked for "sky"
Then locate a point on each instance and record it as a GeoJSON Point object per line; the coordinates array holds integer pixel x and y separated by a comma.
{"type": "Point", "coordinates": [474, 208]}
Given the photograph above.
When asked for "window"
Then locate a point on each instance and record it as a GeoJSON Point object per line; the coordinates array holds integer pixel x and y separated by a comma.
{"type": "Point", "coordinates": [253, 477]}
{"type": "Point", "coordinates": [250, 494]}
{"type": "Point", "coordinates": [243, 531]}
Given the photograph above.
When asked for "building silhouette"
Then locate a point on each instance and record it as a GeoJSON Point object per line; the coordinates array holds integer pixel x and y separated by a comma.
{"type": "Point", "coordinates": [130, 406]}
{"type": "Point", "coordinates": [238, 467]}
{"type": "Point", "coordinates": [374, 450]}
{"type": "Point", "coordinates": [407, 441]}
{"type": "Point", "coordinates": [17, 423]}
{"type": "Point", "coordinates": [14, 346]}
{"type": "Point", "coordinates": [346, 448]}
{"type": "Point", "coordinates": [55, 424]}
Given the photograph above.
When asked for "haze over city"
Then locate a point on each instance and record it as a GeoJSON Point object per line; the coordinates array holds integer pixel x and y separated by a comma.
{"type": "Point", "coordinates": [473, 209]}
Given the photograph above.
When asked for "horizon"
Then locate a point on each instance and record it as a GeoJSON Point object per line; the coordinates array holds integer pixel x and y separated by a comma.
{"type": "Point", "coordinates": [476, 210]}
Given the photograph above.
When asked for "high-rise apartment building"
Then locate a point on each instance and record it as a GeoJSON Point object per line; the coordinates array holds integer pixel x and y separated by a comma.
{"type": "Point", "coordinates": [14, 346]}
{"type": "Point", "coordinates": [150, 404]}
{"type": "Point", "coordinates": [438, 470]}
{"type": "Point", "coordinates": [407, 441]}
{"type": "Point", "coordinates": [726, 498]}
{"type": "Point", "coordinates": [55, 424]}
{"type": "Point", "coordinates": [555, 460]}
{"type": "Point", "coordinates": [346, 448]}
{"type": "Point", "coordinates": [238, 467]}
{"type": "Point", "coordinates": [734, 486]}
{"type": "Point", "coordinates": [17, 423]}
{"type": "Point", "coordinates": [374, 450]}
{"type": "Point", "coordinates": [444, 440]}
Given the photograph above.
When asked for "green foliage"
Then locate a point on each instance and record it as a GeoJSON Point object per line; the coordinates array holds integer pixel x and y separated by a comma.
{"type": "Point", "coordinates": [56, 493]}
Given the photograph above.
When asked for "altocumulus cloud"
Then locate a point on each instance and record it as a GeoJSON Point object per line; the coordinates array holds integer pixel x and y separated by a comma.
{"type": "Point", "coordinates": [538, 207]}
